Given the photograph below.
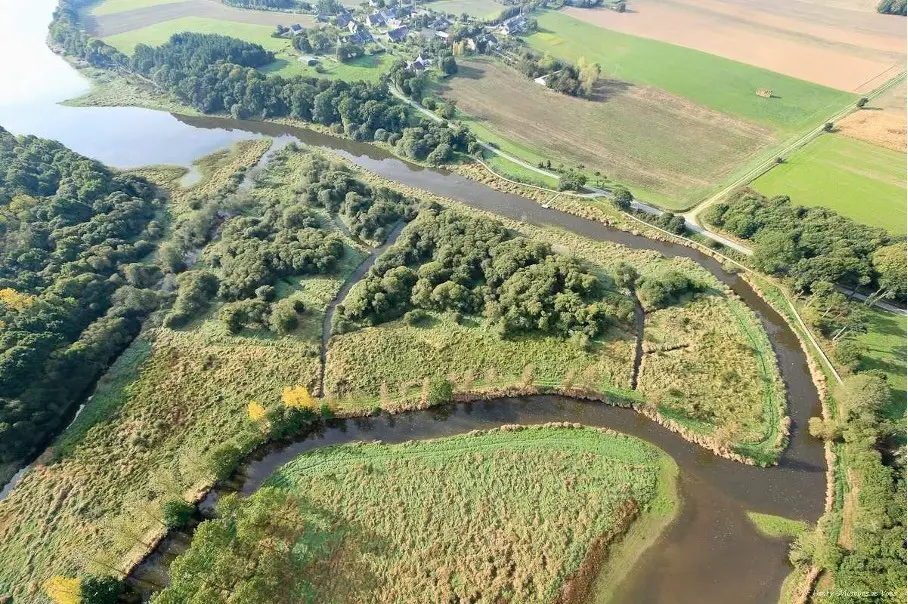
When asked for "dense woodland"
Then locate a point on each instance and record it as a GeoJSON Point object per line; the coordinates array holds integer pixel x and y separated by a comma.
{"type": "Point", "coordinates": [448, 261]}
{"type": "Point", "coordinates": [73, 290]}
{"type": "Point", "coordinates": [255, 243]}
{"type": "Point", "coordinates": [809, 246]}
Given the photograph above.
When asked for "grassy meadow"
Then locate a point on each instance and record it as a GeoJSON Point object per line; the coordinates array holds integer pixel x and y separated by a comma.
{"type": "Point", "coordinates": [707, 80]}
{"type": "Point", "coordinates": [504, 515]}
{"type": "Point", "coordinates": [885, 345]}
{"type": "Point", "coordinates": [286, 63]}
{"type": "Point", "coordinates": [853, 177]}
{"type": "Point", "coordinates": [482, 9]}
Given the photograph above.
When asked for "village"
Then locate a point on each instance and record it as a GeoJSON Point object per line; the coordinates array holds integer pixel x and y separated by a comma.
{"type": "Point", "coordinates": [394, 27]}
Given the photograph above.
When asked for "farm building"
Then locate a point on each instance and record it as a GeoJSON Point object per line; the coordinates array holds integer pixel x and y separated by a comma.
{"type": "Point", "coordinates": [296, 28]}
{"type": "Point", "coordinates": [764, 92]}
{"type": "Point", "coordinates": [307, 60]}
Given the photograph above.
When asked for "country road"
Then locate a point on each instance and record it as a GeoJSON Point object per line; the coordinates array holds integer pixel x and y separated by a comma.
{"type": "Point", "coordinates": [690, 217]}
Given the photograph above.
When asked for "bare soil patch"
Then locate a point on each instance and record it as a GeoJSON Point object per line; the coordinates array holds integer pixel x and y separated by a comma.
{"type": "Point", "coordinates": [103, 26]}
{"type": "Point", "coordinates": [883, 123]}
{"type": "Point", "coordinates": [822, 43]}
{"type": "Point", "coordinates": [635, 134]}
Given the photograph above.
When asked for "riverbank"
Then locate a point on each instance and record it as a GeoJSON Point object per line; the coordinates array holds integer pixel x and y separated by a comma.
{"type": "Point", "coordinates": [491, 484]}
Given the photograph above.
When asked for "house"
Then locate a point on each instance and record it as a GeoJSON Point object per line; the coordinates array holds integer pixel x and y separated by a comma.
{"type": "Point", "coordinates": [322, 18]}
{"type": "Point", "coordinates": [353, 26]}
{"type": "Point", "coordinates": [374, 3]}
{"type": "Point", "coordinates": [442, 34]}
{"type": "Point", "coordinates": [513, 26]}
{"type": "Point", "coordinates": [307, 60]}
{"type": "Point", "coordinates": [397, 35]}
{"type": "Point", "coordinates": [420, 63]}
{"type": "Point", "coordinates": [428, 33]}
{"type": "Point", "coordinates": [296, 28]}
{"type": "Point", "coordinates": [391, 19]}
{"type": "Point", "coordinates": [375, 20]}
{"type": "Point", "coordinates": [343, 20]}
{"type": "Point", "coordinates": [441, 24]}
{"type": "Point", "coordinates": [360, 37]}
{"type": "Point", "coordinates": [471, 44]}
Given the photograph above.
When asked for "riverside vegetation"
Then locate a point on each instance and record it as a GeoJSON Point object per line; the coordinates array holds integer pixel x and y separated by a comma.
{"type": "Point", "coordinates": [328, 525]}
{"type": "Point", "coordinates": [236, 343]}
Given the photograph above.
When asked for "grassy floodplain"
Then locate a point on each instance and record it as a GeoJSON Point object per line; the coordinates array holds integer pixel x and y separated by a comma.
{"type": "Point", "coordinates": [855, 178]}
{"type": "Point", "coordinates": [510, 513]}
{"type": "Point", "coordinates": [178, 393]}
{"type": "Point", "coordinates": [721, 84]}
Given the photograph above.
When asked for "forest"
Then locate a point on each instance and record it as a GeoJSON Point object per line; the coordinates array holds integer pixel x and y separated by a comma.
{"type": "Point", "coordinates": [808, 246]}
{"type": "Point", "coordinates": [73, 286]}
{"type": "Point", "coordinates": [260, 242]}
{"type": "Point", "coordinates": [448, 261]}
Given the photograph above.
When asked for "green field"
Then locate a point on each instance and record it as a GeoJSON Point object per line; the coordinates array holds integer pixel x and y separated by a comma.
{"type": "Point", "coordinates": [884, 343]}
{"type": "Point", "coordinates": [109, 7]}
{"type": "Point", "coordinates": [855, 178]}
{"type": "Point", "coordinates": [159, 33]}
{"type": "Point", "coordinates": [482, 9]}
{"type": "Point", "coordinates": [506, 514]}
{"type": "Point", "coordinates": [286, 62]}
{"type": "Point", "coordinates": [705, 79]}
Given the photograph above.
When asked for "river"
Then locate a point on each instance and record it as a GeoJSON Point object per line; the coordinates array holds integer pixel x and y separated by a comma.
{"type": "Point", "coordinates": [711, 553]}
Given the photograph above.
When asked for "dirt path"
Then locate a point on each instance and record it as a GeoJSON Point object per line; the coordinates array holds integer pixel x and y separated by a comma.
{"type": "Point", "coordinates": [352, 280]}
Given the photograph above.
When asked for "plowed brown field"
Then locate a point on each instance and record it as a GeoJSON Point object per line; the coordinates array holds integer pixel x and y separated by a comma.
{"type": "Point", "coordinates": [819, 42]}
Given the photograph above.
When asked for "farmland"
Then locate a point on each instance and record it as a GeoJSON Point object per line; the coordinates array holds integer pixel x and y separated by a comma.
{"type": "Point", "coordinates": [482, 9]}
{"type": "Point", "coordinates": [706, 80]}
{"type": "Point", "coordinates": [827, 45]}
{"type": "Point", "coordinates": [612, 133]}
{"type": "Point", "coordinates": [104, 26]}
{"type": "Point", "coordinates": [477, 515]}
{"type": "Point", "coordinates": [852, 177]}
{"type": "Point", "coordinates": [110, 7]}
{"type": "Point", "coordinates": [882, 123]}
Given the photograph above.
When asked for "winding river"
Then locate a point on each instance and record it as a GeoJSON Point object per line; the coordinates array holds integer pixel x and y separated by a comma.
{"type": "Point", "coordinates": [711, 553]}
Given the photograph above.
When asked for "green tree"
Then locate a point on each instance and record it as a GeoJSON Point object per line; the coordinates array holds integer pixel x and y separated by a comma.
{"type": "Point", "coordinates": [622, 198]}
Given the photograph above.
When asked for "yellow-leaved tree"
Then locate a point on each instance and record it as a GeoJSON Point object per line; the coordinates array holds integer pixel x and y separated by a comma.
{"type": "Point", "coordinates": [63, 590]}
{"type": "Point", "coordinates": [256, 411]}
{"type": "Point", "coordinates": [297, 397]}
{"type": "Point", "coordinates": [14, 300]}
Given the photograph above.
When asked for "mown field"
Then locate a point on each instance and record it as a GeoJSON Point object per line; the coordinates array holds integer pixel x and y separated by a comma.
{"type": "Point", "coordinates": [855, 178]}
{"type": "Point", "coordinates": [662, 146]}
{"type": "Point", "coordinates": [110, 7]}
{"type": "Point", "coordinates": [707, 80]}
{"type": "Point", "coordinates": [286, 61]}
{"type": "Point", "coordinates": [505, 515]}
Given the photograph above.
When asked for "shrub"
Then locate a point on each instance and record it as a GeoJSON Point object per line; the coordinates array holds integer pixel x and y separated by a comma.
{"type": "Point", "coordinates": [622, 198]}
{"type": "Point", "coordinates": [223, 461]}
{"type": "Point", "coordinates": [416, 317]}
{"type": "Point", "coordinates": [440, 391]}
{"type": "Point", "coordinates": [100, 590]}
{"type": "Point", "coordinates": [177, 513]}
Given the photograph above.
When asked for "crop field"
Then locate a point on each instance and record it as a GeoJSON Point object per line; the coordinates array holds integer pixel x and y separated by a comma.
{"type": "Point", "coordinates": [853, 177]}
{"type": "Point", "coordinates": [504, 515]}
{"type": "Point", "coordinates": [882, 123]}
{"type": "Point", "coordinates": [482, 9]}
{"type": "Point", "coordinates": [704, 79]}
{"type": "Point", "coordinates": [110, 7]}
{"type": "Point", "coordinates": [711, 366]}
{"type": "Point", "coordinates": [827, 45]}
{"type": "Point", "coordinates": [659, 144]}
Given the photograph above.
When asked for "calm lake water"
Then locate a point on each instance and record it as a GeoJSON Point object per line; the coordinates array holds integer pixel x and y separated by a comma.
{"type": "Point", "coordinates": [710, 554]}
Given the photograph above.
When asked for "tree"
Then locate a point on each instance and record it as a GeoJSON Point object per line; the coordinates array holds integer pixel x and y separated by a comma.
{"type": "Point", "coordinates": [284, 318]}
{"type": "Point", "coordinates": [622, 198]}
{"type": "Point", "coordinates": [449, 109]}
{"type": "Point", "coordinates": [571, 181]}
{"type": "Point", "coordinates": [255, 411]}
{"type": "Point", "coordinates": [223, 460]}
{"type": "Point", "coordinates": [177, 513]}
{"type": "Point", "coordinates": [889, 267]}
{"type": "Point", "coordinates": [63, 590]}
{"type": "Point", "coordinates": [862, 102]}
{"type": "Point", "coordinates": [98, 589]}
{"type": "Point", "coordinates": [775, 252]}
{"type": "Point", "coordinates": [297, 397]}
{"type": "Point", "coordinates": [448, 66]}
{"type": "Point", "coordinates": [828, 127]}
{"type": "Point", "coordinates": [863, 394]}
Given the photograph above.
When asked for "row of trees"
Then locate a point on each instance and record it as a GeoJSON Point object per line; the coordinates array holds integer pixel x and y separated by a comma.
{"type": "Point", "coordinates": [893, 7]}
{"type": "Point", "coordinates": [447, 261]}
{"type": "Point", "coordinates": [806, 245]}
{"type": "Point", "coordinates": [72, 291]}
